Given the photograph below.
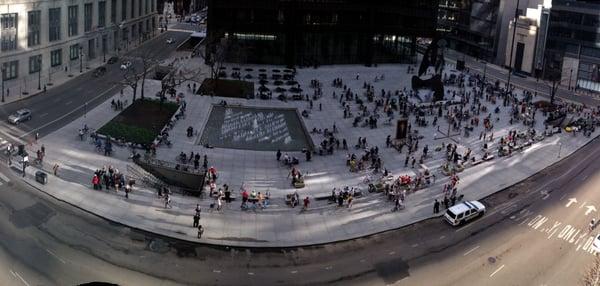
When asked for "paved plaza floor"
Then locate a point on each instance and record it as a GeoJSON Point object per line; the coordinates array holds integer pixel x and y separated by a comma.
{"type": "Point", "coordinates": [246, 159]}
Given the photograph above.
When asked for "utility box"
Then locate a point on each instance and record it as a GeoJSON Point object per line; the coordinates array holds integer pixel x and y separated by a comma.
{"type": "Point", "coordinates": [41, 177]}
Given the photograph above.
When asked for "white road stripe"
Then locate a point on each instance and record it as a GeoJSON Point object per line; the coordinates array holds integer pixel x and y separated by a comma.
{"type": "Point", "coordinates": [56, 256]}
{"type": "Point", "coordinates": [16, 274]}
{"type": "Point", "coordinates": [68, 113]}
{"type": "Point", "coordinates": [68, 102]}
{"type": "Point", "coordinates": [472, 249]}
{"type": "Point", "coordinates": [4, 178]}
{"type": "Point", "coordinates": [43, 115]}
{"type": "Point", "coordinates": [497, 270]}
{"type": "Point", "coordinates": [216, 271]}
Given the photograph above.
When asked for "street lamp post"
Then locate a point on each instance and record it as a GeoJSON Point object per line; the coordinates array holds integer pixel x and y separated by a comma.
{"type": "Point", "coordinates": [80, 59]}
{"type": "Point", "coordinates": [3, 71]}
{"type": "Point", "coordinates": [570, 76]}
{"type": "Point", "coordinates": [39, 63]}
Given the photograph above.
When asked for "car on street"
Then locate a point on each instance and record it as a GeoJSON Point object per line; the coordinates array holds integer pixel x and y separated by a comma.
{"type": "Point", "coordinates": [170, 41]}
{"type": "Point", "coordinates": [596, 244]}
{"type": "Point", "coordinates": [100, 71]}
{"type": "Point", "coordinates": [464, 212]}
{"type": "Point", "coordinates": [125, 65]}
{"type": "Point", "coordinates": [112, 60]}
{"type": "Point", "coordinates": [19, 116]}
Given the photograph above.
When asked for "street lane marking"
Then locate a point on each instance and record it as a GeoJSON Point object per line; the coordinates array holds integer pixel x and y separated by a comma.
{"type": "Point", "coordinates": [16, 274]}
{"type": "Point", "coordinates": [392, 252]}
{"type": "Point", "coordinates": [328, 267]}
{"type": "Point", "coordinates": [414, 245]}
{"type": "Point", "coordinates": [472, 249]}
{"type": "Point", "coordinates": [56, 256]}
{"type": "Point", "coordinates": [68, 102]}
{"type": "Point", "coordinates": [250, 273]}
{"type": "Point", "coordinates": [43, 115]}
{"type": "Point", "coordinates": [216, 271]}
{"type": "Point", "coordinates": [497, 270]}
{"type": "Point", "coordinates": [294, 271]}
{"type": "Point", "coordinates": [68, 113]}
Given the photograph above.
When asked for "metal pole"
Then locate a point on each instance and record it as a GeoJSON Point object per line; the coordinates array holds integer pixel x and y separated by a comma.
{"type": "Point", "coordinates": [3, 69]}
{"type": "Point", "coordinates": [512, 47]}
{"type": "Point", "coordinates": [39, 73]}
{"type": "Point", "coordinates": [570, 75]}
{"type": "Point", "coordinates": [80, 59]}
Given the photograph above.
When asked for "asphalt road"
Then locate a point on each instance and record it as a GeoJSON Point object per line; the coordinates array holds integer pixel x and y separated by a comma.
{"type": "Point", "coordinates": [542, 87]}
{"type": "Point", "coordinates": [46, 242]}
{"type": "Point", "coordinates": [64, 103]}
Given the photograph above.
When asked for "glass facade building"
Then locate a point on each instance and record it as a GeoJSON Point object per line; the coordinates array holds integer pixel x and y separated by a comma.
{"type": "Point", "coordinates": [308, 32]}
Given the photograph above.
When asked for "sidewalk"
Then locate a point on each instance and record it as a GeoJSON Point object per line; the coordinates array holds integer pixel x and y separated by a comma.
{"type": "Point", "coordinates": [280, 225]}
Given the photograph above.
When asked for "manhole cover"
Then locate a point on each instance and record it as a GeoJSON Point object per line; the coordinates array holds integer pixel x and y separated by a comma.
{"type": "Point", "coordinates": [491, 260]}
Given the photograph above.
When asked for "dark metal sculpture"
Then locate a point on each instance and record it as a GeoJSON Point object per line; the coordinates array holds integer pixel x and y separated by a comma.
{"type": "Point", "coordinates": [434, 56]}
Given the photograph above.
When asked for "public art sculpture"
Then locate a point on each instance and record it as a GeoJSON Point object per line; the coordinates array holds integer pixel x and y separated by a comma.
{"type": "Point", "coordinates": [434, 56]}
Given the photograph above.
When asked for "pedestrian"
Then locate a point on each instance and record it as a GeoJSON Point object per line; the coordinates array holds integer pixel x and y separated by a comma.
{"type": "Point", "coordinates": [37, 136]}
{"type": "Point", "coordinates": [320, 107]}
{"type": "Point", "coordinates": [446, 201]}
{"type": "Point", "coordinates": [436, 207]}
{"type": "Point", "coordinates": [278, 155]}
{"type": "Point", "coordinates": [406, 161]}
{"type": "Point", "coordinates": [219, 203]}
{"type": "Point", "coordinates": [55, 169]}
{"type": "Point", "coordinates": [198, 210]}
{"type": "Point", "coordinates": [350, 201]}
{"type": "Point", "coordinates": [453, 199]}
{"type": "Point", "coordinates": [196, 220]}
{"type": "Point", "coordinates": [43, 149]}
{"type": "Point", "coordinates": [167, 201]}
{"type": "Point", "coordinates": [306, 203]}
{"type": "Point", "coordinates": [200, 231]}
{"type": "Point", "coordinates": [127, 190]}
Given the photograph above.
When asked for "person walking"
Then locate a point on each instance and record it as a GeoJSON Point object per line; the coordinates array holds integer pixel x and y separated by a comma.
{"type": "Point", "coordinates": [167, 201]}
{"type": "Point", "coordinates": [127, 190]}
{"type": "Point", "coordinates": [55, 169]}
{"type": "Point", "coordinates": [350, 201]}
{"type": "Point", "coordinates": [436, 207]}
{"type": "Point", "coordinates": [200, 231]}
{"type": "Point", "coordinates": [196, 220]}
{"type": "Point", "coordinates": [306, 203]}
{"type": "Point", "coordinates": [278, 155]}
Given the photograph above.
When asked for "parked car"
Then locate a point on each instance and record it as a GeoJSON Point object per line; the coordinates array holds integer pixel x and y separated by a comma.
{"type": "Point", "coordinates": [20, 116]}
{"type": "Point", "coordinates": [464, 212]}
{"type": "Point", "coordinates": [100, 71]}
{"type": "Point", "coordinates": [125, 65]}
{"type": "Point", "coordinates": [112, 60]}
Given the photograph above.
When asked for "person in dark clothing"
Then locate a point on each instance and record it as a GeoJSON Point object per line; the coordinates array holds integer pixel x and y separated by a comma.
{"type": "Point", "coordinates": [196, 220]}
{"type": "Point", "coordinates": [446, 201]}
{"type": "Point", "coordinates": [340, 200]}
{"type": "Point", "coordinates": [278, 155]}
{"type": "Point", "coordinates": [436, 207]}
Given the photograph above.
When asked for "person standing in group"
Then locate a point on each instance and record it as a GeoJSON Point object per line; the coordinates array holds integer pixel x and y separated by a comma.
{"type": "Point", "coordinates": [306, 203]}
{"type": "Point", "coordinates": [196, 220]}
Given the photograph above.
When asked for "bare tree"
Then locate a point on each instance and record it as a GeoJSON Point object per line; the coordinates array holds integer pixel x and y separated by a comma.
{"type": "Point", "coordinates": [131, 79]}
{"type": "Point", "coordinates": [552, 76]}
{"type": "Point", "coordinates": [147, 64]}
{"type": "Point", "coordinates": [214, 57]}
{"type": "Point", "coordinates": [591, 277]}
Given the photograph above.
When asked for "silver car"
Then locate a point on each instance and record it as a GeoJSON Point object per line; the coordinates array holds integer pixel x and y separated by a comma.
{"type": "Point", "coordinates": [20, 116]}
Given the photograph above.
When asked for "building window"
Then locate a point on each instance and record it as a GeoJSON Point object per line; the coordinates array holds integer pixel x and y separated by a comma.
{"type": "Point", "coordinates": [113, 11]}
{"type": "Point", "coordinates": [56, 58]}
{"type": "Point", "coordinates": [33, 28]}
{"type": "Point", "coordinates": [11, 70]}
{"type": "Point", "coordinates": [74, 52]}
{"type": "Point", "coordinates": [8, 22]}
{"type": "Point", "coordinates": [147, 6]}
{"type": "Point", "coordinates": [132, 9]}
{"type": "Point", "coordinates": [54, 24]}
{"type": "Point", "coordinates": [123, 10]}
{"type": "Point", "coordinates": [87, 17]}
{"type": "Point", "coordinates": [101, 14]}
{"type": "Point", "coordinates": [35, 64]}
{"type": "Point", "coordinates": [151, 5]}
{"type": "Point", "coordinates": [139, 8]}
{"type": "Point", "coordinates": [73, 20]}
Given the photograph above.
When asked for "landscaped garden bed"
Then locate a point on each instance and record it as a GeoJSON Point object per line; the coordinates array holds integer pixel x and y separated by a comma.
{"type": "Point", "coordinates": [140, 122]}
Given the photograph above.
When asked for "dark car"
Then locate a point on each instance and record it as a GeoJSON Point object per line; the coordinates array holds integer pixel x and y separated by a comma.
{"type": "Point", "coordinates": [99, 71]}
{"type": "Point", "coordinates": [112, 60]}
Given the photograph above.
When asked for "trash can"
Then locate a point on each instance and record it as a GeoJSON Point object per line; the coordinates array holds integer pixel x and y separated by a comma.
{"type": "Point", "coordinates": [41, 177]}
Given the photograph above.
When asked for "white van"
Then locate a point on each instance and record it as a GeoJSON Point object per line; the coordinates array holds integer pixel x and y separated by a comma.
{"type": "Point", "coordinates": [464, 212]}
